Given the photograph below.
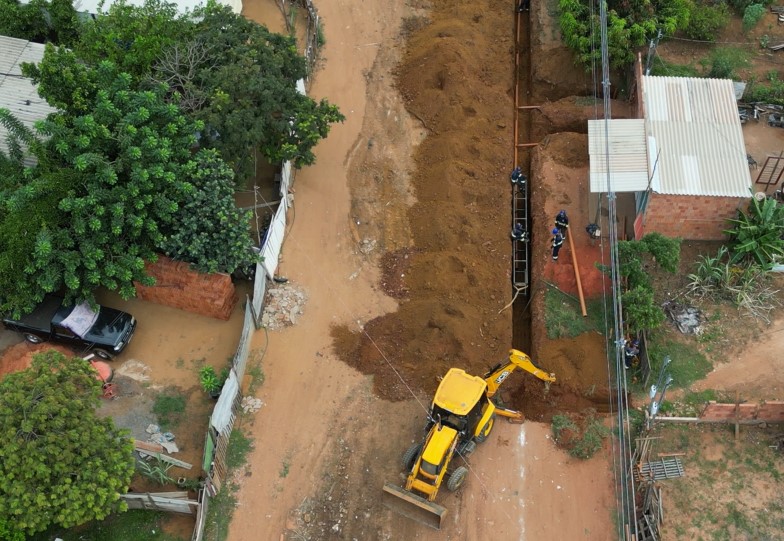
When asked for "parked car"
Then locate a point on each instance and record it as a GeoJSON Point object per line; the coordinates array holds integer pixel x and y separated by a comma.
{"type": "Point", "coordinates": [103, 331]}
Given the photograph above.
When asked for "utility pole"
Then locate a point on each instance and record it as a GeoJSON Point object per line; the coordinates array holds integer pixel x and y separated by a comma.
{"type": "Point", "coordinates": [651, 51]}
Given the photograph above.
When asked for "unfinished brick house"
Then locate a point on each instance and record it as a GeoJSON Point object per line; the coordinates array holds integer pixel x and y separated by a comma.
{"type": "Point", "coordinates": [684, 161]}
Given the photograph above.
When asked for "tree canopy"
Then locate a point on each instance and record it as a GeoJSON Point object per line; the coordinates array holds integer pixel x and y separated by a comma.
{"type": "Point", "coordinates": [40, 21]}
{"type": "Point", "coordinates": [60, 463]}
{"type": "Point", "coordinates": [121, 170]}
{"type": "Point", "coordinates": [629, 26]}
{"type": "Point", "coordinates": [217, 243]}
{"type": "Point", "coordinates": [113, 175]}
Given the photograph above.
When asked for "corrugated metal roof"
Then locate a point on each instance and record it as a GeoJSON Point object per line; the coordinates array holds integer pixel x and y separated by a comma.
{"type": "Point", "coordinates": [628, 162]}
{"type": "Point", "coordinates": [698, 134]}
{"type": "Point", "coordinates": [17, 93]}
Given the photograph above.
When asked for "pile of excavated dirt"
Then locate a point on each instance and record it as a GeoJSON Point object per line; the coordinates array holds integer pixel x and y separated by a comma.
{"type": "Point", "coordinates": [451, 273]}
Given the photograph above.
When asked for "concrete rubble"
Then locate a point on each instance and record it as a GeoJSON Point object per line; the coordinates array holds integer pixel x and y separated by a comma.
{"type": "Point", "coordinates": [283, 306]}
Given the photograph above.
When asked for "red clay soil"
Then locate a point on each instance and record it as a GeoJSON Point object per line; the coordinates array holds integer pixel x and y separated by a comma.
{"type": "Point", "coordinates": [19, 356]}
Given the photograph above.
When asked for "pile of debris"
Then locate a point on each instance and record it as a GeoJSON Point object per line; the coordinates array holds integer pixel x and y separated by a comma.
{"type": "Point", "coordinates": [164, 439]}
{"type": "Point", "coordinates": [251, 404]}
{"type": "Point", "coordinates": [283, 306]}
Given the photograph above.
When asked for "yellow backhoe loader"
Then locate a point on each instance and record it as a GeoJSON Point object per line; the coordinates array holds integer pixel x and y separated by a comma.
{"type": "Point", "coordinates": [462, 414]}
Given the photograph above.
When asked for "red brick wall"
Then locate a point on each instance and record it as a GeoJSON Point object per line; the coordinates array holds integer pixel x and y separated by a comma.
{"type": "Point", "coordinates": [176, 285]}
{"type": "Point", "coordinates": [690, 217]}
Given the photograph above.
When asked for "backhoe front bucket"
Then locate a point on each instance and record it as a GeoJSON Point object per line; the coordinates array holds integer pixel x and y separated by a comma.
{"type": "Point", "coordinates": [412, 506]}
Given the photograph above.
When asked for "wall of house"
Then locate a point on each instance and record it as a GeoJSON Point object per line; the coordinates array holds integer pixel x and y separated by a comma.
{"type": "Point", "coordinates": [178, 286]}
{"type": "Point", "coordinates": [690, 217]}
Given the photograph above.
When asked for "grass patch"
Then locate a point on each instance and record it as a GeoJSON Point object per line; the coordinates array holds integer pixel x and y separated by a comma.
{"type": "Point", "coordinates": [688, 363]}
{"type": "Point", "coordinates": [257, 377]}
{"type": "Point", "coordinates": [239, 447]}
{"type": "Point", "coordinates": [591, 440]}
{"type": "Point", "coordinates": [669, 69]}
{"type": "Point", "coordinates": [169, 407]}
{"type": "Point", "coordinates": [133, 525]}
{"type": "Point", "coordinates": [724, 476]}
{"type": "Point", "coordinates": [563, 318]}
{"type": "Point", "coordinates": [220, 512]}
{"type": "Point", "coordinates": [222, 507]}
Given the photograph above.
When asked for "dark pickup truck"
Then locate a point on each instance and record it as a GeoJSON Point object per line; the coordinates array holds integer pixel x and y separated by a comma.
{"type": "Point", "coordinates": [104, 331]}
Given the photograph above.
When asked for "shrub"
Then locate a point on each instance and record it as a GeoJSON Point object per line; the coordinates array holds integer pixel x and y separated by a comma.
{"type": "Point", "coordinates": [706, 20]}
{"type": "Point", "coordinates": [758, 234]}
{"type": "Point", "coordinates": [752, 15]}
{"type": "Point", "coordinates": [723, 62]}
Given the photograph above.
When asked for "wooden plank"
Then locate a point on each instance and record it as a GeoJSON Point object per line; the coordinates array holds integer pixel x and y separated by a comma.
{"type": "Point", "coordinates": [174, 461]}
{"type": "Point", "coordinates": [147, 446]}
{"type": "Point", "coordinates": [180, 494]}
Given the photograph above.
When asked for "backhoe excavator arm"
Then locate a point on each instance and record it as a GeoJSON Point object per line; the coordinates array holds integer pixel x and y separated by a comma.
{"type": "Point", "coordinates": [517, 359]}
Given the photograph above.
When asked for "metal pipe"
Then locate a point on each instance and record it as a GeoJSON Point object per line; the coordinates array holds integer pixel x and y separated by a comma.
{"type": "Point", "coordinates": [577, 273]}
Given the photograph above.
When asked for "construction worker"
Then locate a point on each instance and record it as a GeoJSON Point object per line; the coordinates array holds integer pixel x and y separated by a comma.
{"type": "Point", "coordinates": [562, 222]}
{"type": "Point", "coordinates": [519, 233]}
{"type": "Point", "coordinates": [557, 242]}
{"type": "Point", "coordinates": [517, 177]}
{"type": "Point", "coordinates": [630, 351]}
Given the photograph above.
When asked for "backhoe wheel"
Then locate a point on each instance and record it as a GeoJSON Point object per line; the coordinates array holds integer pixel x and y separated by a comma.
{"type": "Point", "coordinates": [485, 432]}
{"type": "Point", "coordinates": [457, 478]}
{"type": "Point", "coordinates": [411, 455]}
{"type": "Point", "coordinates": [467, 448]}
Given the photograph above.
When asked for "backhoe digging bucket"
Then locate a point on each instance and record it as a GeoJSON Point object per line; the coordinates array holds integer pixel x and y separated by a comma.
{"type": "Point", "coordinates": [412, 506]}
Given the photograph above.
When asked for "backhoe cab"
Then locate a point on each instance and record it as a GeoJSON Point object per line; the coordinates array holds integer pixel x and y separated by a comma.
{"type": "Point", "coordinates": [462, 414]}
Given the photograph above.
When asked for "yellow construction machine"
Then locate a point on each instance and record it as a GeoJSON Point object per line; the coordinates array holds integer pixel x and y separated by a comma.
{"type": "Point", "coordinates": [462, 414]}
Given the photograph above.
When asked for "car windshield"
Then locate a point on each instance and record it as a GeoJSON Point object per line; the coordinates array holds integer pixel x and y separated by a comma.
{"type": "Point", "coordinates": [81, 319]}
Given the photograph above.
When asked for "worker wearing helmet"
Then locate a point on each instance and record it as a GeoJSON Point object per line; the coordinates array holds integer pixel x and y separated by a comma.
{"type": "Point", "coordinates": [517, 177]}
{"type": "Point", "coordinates": [557, 242]}
{"type": "Point", "coordinates": [562, 222]}
{"type": "Point", "coordinates": [630, 350]}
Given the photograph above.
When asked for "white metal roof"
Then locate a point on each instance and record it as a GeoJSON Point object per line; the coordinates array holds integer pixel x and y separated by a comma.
{"type": "Point", "coordinates": [17, 93]}
{"type": "Point", "coordinates": [628, 163]}
{"type": "Point", "coordinates": [696, 130]}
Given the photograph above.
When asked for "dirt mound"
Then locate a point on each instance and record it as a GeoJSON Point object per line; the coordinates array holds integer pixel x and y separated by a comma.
{"type": "Point", "coordinates": [20, 356]}
{"type": "Point", "coordinates": [455, 80]}
{"type": "Point", "coordinates": [571, 114]}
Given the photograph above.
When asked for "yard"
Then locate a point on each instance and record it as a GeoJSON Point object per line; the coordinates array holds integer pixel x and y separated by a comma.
{"type": "Point", "coordinates": [157, 382]}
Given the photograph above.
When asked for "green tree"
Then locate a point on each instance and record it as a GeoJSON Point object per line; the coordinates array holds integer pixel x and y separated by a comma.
{"type": "Point", "coordinates": [209, 231]}
{"type": "Point", "coordinates": [706, 20]}
{"type": "Point", "coordinates": [247, 76]}
{"type": "Point", "coordinates": [758, 233]}
{"type": "Point", "coordinates": [116, 174]}
{"type": "Point", "coordinates": [40, 21]}
{"type": "Point", "coordinates": [133, 37]}
{"type": "Point", "coordinates": [640, 312]}
{"type": "Point", "coordinates": [630, 24]}
{"type": "Point", "coordinates": [61, 463]}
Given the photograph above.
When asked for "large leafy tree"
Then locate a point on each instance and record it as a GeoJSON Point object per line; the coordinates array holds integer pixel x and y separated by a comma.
{"type": "Point", "coordinates": [249, 75]}
{"type": "Point", "coordinates": [40, 21]}
{"type": "Point", "coordinates": [60, 464]}
{"type": "Point", "coordinates": [630, 24]}
{"type": "Point", "coordinates": [113, 176]}
{"type": "Point", "coordinates": [210, 231]}
{"type": "Point", "coordinates": [232, 73]}
{"type": "Point", "coordinates": [133, 37]}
